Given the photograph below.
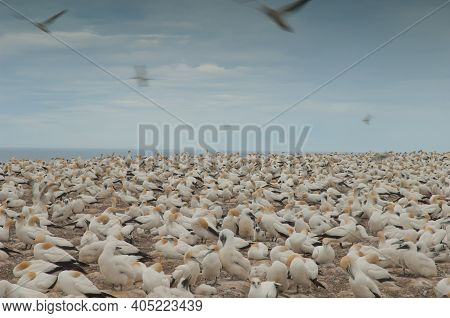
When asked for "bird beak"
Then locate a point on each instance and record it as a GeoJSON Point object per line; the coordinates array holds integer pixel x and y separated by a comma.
{"type": "Point", "coordinates": [223, 239]}
{"type": "Point", "coordinates": [196, 260]}
{"type": "Point", "coordinates": [209, 252]}
{"type": "Point", "coordinates": [349, 271]}
{"type": "Point", "coordinates": [403, 247]}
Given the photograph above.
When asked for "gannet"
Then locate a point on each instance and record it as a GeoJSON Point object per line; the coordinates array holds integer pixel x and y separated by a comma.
{"type": "Point", "coordinates": [303, 271]}
{"type": "Point", "coordinates": [190, 270]}
{"type": "Point", "coordinates": [9, 290]}
{"type": "Point", "coordinates": [361, 285]}
{"type": "Point", "coordinates": [278, 273]}
{"type": "Point", "coordinates": [39, 281]}
{"type": "Point", "coordinates": [232, 261]}
{"type": "Point", "coordinates": [260, 289]}
{"type": "Point", "coordinates": [5, 232]}
{"type": "Point", "coordinates": [419, 264]}
{"type": "Point", "coordinates": [153, 277]}
{"type": "Point", "coordinates": [205, 290]}
{"type": "Point", "coordinates": [211, 265]}
{"type": "Point", "coordinates": [323, 254]}
{"type": "Point", "coordinates": [116, 269]}
{"type": "Point", "coordinates": [51, 253]}
{"type": "Point", "coordinates": [442, 288]}
{"type": "Point", "coordinates": [76, 284]}
{"type": "Point", "coordinates": [258, 251]}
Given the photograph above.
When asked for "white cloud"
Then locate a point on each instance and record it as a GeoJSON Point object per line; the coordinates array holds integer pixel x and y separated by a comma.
{"type": "Point", "coordinates": [185, 71]}
{"type": "Point", "coordinates": [13, 42]}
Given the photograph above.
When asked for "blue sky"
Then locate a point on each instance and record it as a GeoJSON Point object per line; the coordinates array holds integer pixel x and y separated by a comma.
{"type": "Point", "coordinates": [220, 62]}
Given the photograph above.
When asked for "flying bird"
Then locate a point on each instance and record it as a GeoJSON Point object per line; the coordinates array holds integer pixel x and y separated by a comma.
{"type": "Point", "coordinates": [278, 15]}
{"type": "Point", "coordinates": [44, 24]}
{"type": "Point", "coordinates": [367, 119]}
{"type": "Point", "coordinates": [141, 75]}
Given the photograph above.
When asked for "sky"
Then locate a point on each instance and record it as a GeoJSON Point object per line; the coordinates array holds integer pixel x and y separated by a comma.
{"type": "Point", "coordinates": [221, 62]}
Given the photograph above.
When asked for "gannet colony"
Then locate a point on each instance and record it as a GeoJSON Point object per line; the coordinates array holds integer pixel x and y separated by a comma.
{"type": "Point", "coordinates": [223, 225]}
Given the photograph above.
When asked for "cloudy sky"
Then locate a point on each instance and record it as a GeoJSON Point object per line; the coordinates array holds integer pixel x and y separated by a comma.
{"type": "Point", "coordinates": [219, 62]}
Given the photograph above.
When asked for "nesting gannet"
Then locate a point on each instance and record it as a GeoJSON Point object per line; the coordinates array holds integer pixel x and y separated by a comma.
{"type": "Point", "coordinates": [181, 291]}
{"type": "Point", "coordinates": [190, 269]}
{"type": "Point", "coordinates": [15, 203]}
{"type": "Point", "coordinates": [232, 261]}
{"type": "Point", "coordinates": [280, 253]}
{"type": "Point", "coordinates": [323, 254]}
{"type": "Point", "coordinates": [9, 290]}
{"type": "Point", "coordinates": [211, 265]}
{"type": "Point", "coordinates": [171, 247]}
{"type": "Point", "coordinates": [57, 241]}
{"type": "Point", "coordinates": [116, 269]}
{"type": "Point", "coordinates": [205, 290]}
{"type": "Point", "coordinates": [246, 224]}
{"type": "Point", "coordinates": [273, 226]}
{"type": "Point", "coordinates": [40, 281]}
{"type": "Point", "coordinates": [278, 273]}
{"type": "Point", "coordinates": [5, 230]}
{"type": "Point", "coordinates": [419, 264]}
{"type": "Point", "coordinates": [27, 231]}
{"type": "Point", "coordinates": [204, 230]}
{"type": "Point", "coordinates": [260, 289]}
{"type": "Point", "coordinates": [153, 277]}
{"type": "Point", "coordinates": [361, 285]}
{"type": "Point", "coordinates": [51, 253]}
{"type": "Point", "coordinates": [258, 251]}
{"type": "Point", "coordinates": [76, 284]}
{"type": "Point", "coordinates": [442, 288]}
{"type": "Point", "coordinates": [303, 271]}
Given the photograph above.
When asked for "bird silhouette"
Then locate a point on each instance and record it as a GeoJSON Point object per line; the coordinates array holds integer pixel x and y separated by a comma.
{"type": "Point", "coordinates": [141, 75]}
{"type": "Point", "coordinates": [277, 15]}
{"type": "Point", "coordinates": [44, 24]}
{"type": "Point", "coordinates": [367, 119]}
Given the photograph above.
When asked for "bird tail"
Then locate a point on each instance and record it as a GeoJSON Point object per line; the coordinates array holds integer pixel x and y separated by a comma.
{"type": "Point", "coordinates": [318, 284]}
{"type": "Point", "coordinates": [100, 295]}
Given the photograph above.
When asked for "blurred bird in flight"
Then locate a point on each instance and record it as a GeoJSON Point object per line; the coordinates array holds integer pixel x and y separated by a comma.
{"type": "Point", "coordinates": [367, 119]}
{"type": "Point", "coordinates": [278, 15]}
{"type": "Point", "coordinates": [141, 75]}
{"type": "Point", "coordinates": [44, 24]}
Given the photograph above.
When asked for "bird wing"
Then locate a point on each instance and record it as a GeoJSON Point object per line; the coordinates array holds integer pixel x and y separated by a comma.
{"type": "Point", "coordinates": [280, 229]}
{"type": "Point", "coordinates": [123, 267]}
{"type": "Point", "coordinates": [293, 6]}
{"type": "Point", "coordinates": [85, 286]}
{"type": "Point", "coordinates": [56, 254]}
{"type": "Point", "coordinates": [337, 232]}
{"type": "Point", "coordinates": [378, 273]}
{"type": "Point", "coordinates": [241, 261]}
{"type": "Point", "coordinates": [213, 231]}
{"type": "Point", "coordinates": [53, 18]}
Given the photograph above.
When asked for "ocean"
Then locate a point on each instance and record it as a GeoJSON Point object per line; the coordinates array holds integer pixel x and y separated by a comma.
{"type": "Point", "coordinates": [48, 153]}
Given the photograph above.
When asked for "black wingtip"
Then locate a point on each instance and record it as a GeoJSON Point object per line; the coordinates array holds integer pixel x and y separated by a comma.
{"type": "Point", "coordinates": [318, 284]}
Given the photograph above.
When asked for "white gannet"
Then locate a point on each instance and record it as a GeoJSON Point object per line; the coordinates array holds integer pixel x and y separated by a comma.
{"type": "Point", "coordinates": [74, 283]}
{"type": "Point", "coordinates": [116, 269]}
{"type": "Point", "coordinates": [260, 289]}
{"type": "Point", "coordinates": [40, 281]}
{"type": "Point", "coordinates": [9, 290]}
{"type": "Point", "coordinates": [211, 264]}
{"type": "Point", "coordinates": [361, 285]}
{"type": "Point", "coordinates": [153, 277]}
{"type": "Point", "coordinates": [232, 261]}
